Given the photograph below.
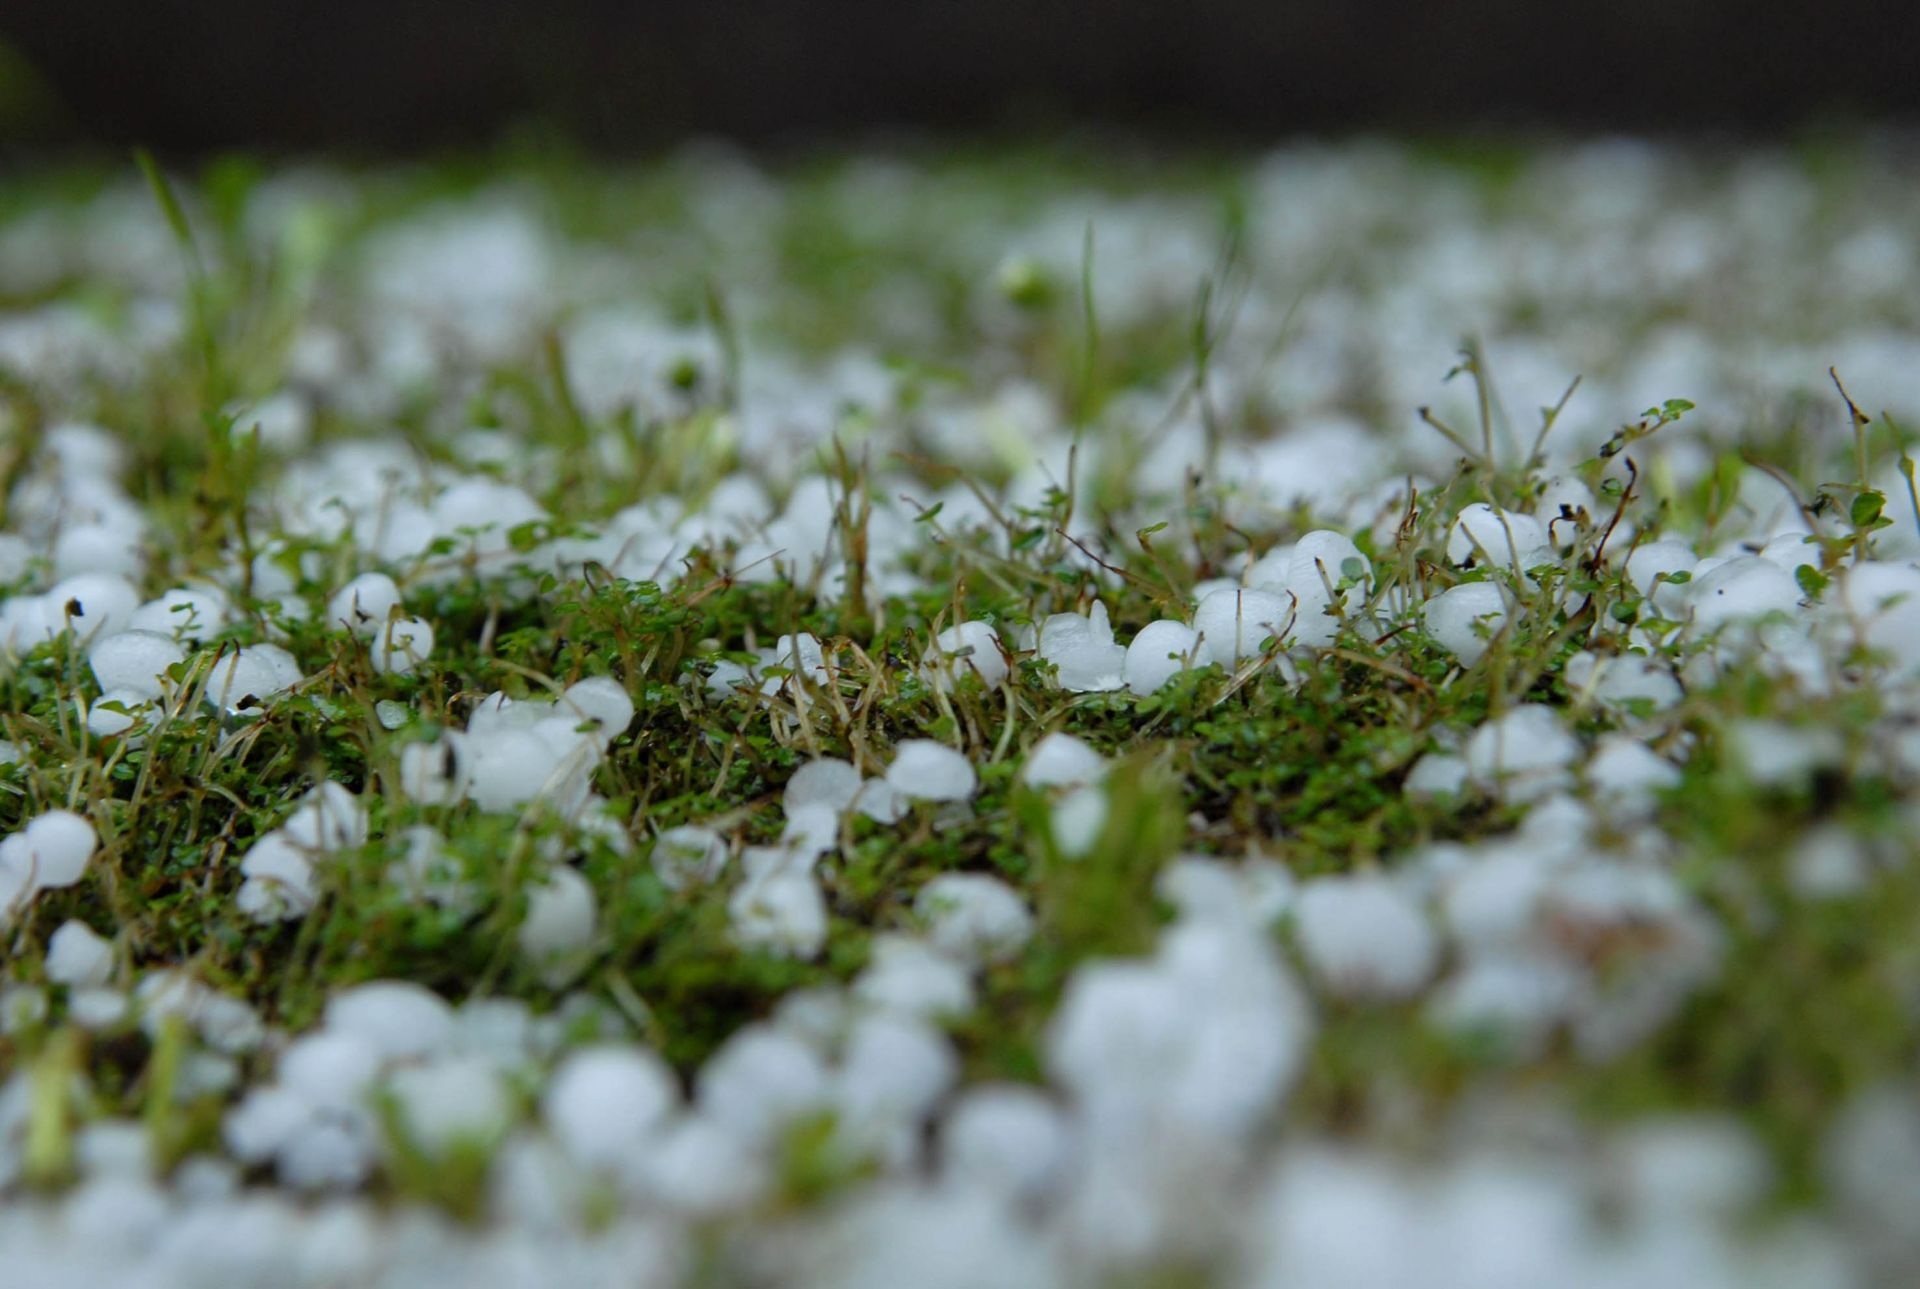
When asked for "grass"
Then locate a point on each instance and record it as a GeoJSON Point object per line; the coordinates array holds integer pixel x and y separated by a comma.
{"type": "Point", "coordinates": [1812, 1004]}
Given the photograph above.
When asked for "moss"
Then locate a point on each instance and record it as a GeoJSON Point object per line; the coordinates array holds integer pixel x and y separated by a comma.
{"type": "Point", "coordinates": [1814, 1001]}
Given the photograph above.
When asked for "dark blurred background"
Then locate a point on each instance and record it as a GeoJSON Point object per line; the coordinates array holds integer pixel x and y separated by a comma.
{"type": "Point", "coordinates": [380, 76]}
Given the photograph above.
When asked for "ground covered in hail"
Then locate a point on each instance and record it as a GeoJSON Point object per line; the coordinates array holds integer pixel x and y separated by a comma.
{"type": "Point", "coordinates": [1003, 720]}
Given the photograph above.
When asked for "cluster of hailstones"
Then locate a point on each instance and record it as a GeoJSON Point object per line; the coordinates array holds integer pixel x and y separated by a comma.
{"type": "Point", "coordinates": [1162, 1069]}
{"type": "Point", "coordinates": [1573, 924]}
{"type": "Point", "coordinates": [514, 752]}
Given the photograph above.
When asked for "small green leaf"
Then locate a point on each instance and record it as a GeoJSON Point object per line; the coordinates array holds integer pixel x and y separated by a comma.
{"type": "Point", "coordinates": [1866, 509]}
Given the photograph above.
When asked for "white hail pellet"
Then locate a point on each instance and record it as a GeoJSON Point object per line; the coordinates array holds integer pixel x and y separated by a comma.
{"type": "Point", "coordinates": [1078, 818]}
{"type": "Point", "coordinates": [1363, 936]}
{"type": "Point", "coordinates": [77, 956]}
{"type": "Point", "coordinates": [1159, 652]}
{"type": "Point", "coordinates": [1506, 539]}
{"type": "Point", "coordinates": [826, 781]}
{"type": "Point", "coordinates": [97, 1008]}
{"type": "Point", "coordinates": [134, 661]}
{"type": "Point", "coordinates": [430, 872]}
{"type": "Point", "coordinates": [1319, 562]}
{"type": "Point", "coordinates": [279, 883]}
{"type": "Point", "coordinates": [1625, 773]}
{"type": "Point", "coordinates": [701, 1168]}
{"type": "Point", "coordinates": [893, 1070]}
{"type": "Point", "coordinates": [328, 1153]}
{"type": "Point", "coordinates": [1007, 1139]}
{"type": "Point", "coordinates": [969, 648]}
{"type": "Point", "coordinates": [1650, 567]}
{"type": "Point", "coordinates": [974, 916]}
{"type": "Point", "coordinates": [803, 657]}
{"type": "Point", "coordinates": [1792, 550]}
{"type": "Point", "coordinates": [782, 912]}
{"type": "Point", "coordinates": [243, 680]}
{"type": "Point", "coordinates": [1623, 679]}
{"type": "Point", "coordinates": [506, 769]}
{"type": "Point", "coordinates": [1081, 648]}
{"type": "Point", "coordinates": [1560, 506]}
{"type": "Point", "coordinates": [1437, 774]}
{"type": "Point", "coordinates": [562, 916]}
{"type": "Point", "coordinates": [1463, 619]}
{"type": "Point", "coordinates": [434, 773]}
{"type": "Point", "coordinates": [105, 722]}
{"type": "Point", "coordinates": [1741, 590]}
{"type": "Point", "coordinates": [1829, 862]}
{"type": "Point", "coordinates": [282, 421]}
{"type": "Point", "coordinates": [928, 771]}
{"type": "Point", "coordinates": [400, 644]}
{"type": "Point", "coordinates": [1522, 754]}
{"type": "Point", "coordinates": [1884, 603]}
{"type": "Point", "coordinates": [363, 605]}
{"type": "Point", "coordinates": [1060, 760]}
{"type": "Point", "coordinates": [328, 818]}
{"type": "Point", "coordinates": [52, 851]}
{"type": "Point", "coordinates": [602, 700]}
{"type": "Point", "coordinates": [811, 830]}
{"type": "Point", "coordinates": [914, 978]}
{"type": "Point", "coordinates": [1779, 753]}
{"type": "Point", "coordinates": [256, 1129]}
{"type": "Point", "coordinates": [603, 1103]}
{"type": "Point", "coordinates": [1234, 624]}
{"type": "Point", "coordinates": [16, 557]}
{"type": "Point", "coordinates": [93, 605]}
{"type": "Point", "coordinates": [331, 1068]}
{"type": "Point", "coordinates": [877, 800]}
{"type": "Point", "coordinates": [114, 1148]}
{"type": "Point", "coordinates": [760, 1080]}
{"type": "Point", "coordinates": [400, 1019]}
{"type": "Point", "coordinates": [24, 623]}
{"type": "Point", "coordinates": [1512, 996]}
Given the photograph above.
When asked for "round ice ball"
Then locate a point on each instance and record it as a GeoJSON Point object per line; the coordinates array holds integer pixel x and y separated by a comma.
{"type": "Point", "coordinates": [56, 847]}
{"type": "Point", "coordinates": [104, 718]}
{"type": "Point", "coordinates": [1741, 590]}
{"type": "Point", "coordinates": [94, 605]}
{"type": "Point", "coordinates": [400, 645]}
{"type": "Point", "coordinates": [1506, 538]}
{"type": "Point", "coordinates": [930, 771]}
{"type": "Point", "coordinates": [1463, 619]}
{"type": "Point", "coordinates": [1233, 623]}
{"type": "Point", "coordinates": [826, 781]}
{"type": "Point", "coordinates": [364, 604]}
{"type": "Point", "coordinates": [244, 679]}
{"type": "Point", "coordinates": [1158, 653]}
{"type": "Point", "coordinates": [603, 1102]}
{"type": "Point", "coordinates": [969, 647]}
{"type": "Point", "coordinates": [186, 613]}
{"type": "Point", "coordinates": [602, 700]}
{"type": "Point", "coordinates": [134, 661]}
